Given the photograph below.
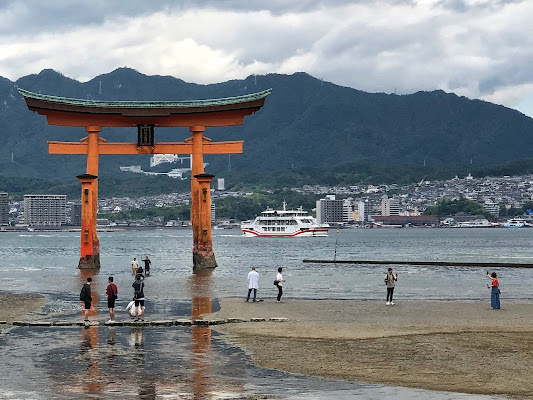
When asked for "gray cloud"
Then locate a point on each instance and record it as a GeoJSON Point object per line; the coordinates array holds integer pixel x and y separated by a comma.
{"type": "Point", "coordinates": [477, 48]}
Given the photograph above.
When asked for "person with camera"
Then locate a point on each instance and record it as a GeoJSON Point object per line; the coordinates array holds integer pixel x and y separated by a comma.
{"type": "Point", "coordinates": [495, 291]}
{"type": "Point", "coordinates": [390, 280]}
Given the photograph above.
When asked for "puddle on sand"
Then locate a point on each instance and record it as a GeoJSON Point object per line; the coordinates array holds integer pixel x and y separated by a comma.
{"type": "Point", "coordinates": [150, 363]}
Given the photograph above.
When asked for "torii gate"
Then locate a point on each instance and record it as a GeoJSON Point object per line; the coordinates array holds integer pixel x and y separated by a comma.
{"type": "Point", "coordinates": [146, 115]}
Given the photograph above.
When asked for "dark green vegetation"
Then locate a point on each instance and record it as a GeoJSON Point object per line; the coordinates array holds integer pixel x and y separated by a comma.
{"type": "Point", "coordinates": [308, 132]}
{"type": "Point", "coordinates": [120, 185]}
{"type": "Point", "coordinates": [239, 208]}
{"type": "Point", "coordinates": [135, 185]}
{"type": "Point", "coordinates": [448, 208]}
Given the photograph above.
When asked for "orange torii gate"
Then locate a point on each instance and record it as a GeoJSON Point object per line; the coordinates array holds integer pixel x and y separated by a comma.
{"type": "Point", "coordinates": [146, 115]}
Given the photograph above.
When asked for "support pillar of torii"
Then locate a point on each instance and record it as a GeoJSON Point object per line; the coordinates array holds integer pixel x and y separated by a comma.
{"type": "Point", "coordinates": [194, 114]}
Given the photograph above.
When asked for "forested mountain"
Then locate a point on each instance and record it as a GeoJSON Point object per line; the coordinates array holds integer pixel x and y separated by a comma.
{"type": "Point", "coordinates": [305, 123]}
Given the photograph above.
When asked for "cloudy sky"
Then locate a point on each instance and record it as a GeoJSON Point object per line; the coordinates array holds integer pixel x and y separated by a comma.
{"type": "Point", "coordinates": [477, 48]}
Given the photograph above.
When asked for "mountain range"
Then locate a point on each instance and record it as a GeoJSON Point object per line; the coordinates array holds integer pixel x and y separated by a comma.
{"type": "Point", "coordinates": [305, 123]}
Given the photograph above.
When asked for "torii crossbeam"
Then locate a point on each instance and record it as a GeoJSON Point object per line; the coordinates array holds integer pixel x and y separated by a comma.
{"type": "Point", "coordinates": [194, 114]}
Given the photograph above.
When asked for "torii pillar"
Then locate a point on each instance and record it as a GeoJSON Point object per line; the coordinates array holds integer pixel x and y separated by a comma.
{"type": "Point", "coordinates": [146, 115]}
{"type": "Point", "coordinates": [90, 246]}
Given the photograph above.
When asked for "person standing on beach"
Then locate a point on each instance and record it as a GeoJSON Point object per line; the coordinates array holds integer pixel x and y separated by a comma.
{"type": "Point", "coordinates": [253, 283]}
{"type": "Point", "coordinates": [147, 263]}
{"type": "Point", "coordinates": [112, 295]}
{"type": "Point", "coordinates": [134, 266]}
{"type": "Point", "coordinates": [390, 278]}
{"type": "Point", "coordinates": [86, 298]}
{"type": "Point", "coordinates": [495, 291]}
{"type": "Point", "coordinates": [279, 280]}
{"type": "Point", "coordinates": [138, 296]}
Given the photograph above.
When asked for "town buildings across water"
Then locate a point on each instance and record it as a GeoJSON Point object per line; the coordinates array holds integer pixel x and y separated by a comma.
{"type": "Point", "coordinates": [45, 210]}
{"type": "Point", "coordinates": [342, 205]}
{"type": "Point", "coordinates": [4, 209]}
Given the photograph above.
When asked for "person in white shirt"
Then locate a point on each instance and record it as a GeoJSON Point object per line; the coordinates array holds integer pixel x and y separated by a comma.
{"type": "Point", "coordinates": [134, 266]}
{"type": "Point", "coordinates": [253, 283]}
{"type": "Point", "coordinates": [279, 280]}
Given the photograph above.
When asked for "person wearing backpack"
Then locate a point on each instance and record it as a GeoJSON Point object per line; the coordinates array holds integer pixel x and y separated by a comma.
{"type": "Point", "coordinates": [138, 296]}
{"type": "Point", "coordinates": [112, 295]}
{"type": "Point", "coordinates": [86, 298]}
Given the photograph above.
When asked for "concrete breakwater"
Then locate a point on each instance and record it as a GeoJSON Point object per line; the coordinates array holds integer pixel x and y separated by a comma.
{"type": "Point", "coordinates": [426, 263]}
{"type": "Point", "coordinates": [158, 323]}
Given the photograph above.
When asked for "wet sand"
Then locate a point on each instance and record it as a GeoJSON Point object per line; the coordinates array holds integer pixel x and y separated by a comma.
{"type": "Point", "coordinates": [452, 346]}
{"type": "Point", "coordinates": [17, 307]}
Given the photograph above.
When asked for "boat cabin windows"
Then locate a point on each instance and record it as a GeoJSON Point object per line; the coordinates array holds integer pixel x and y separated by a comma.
{"type": "Point", "coordinates": [273, 229]}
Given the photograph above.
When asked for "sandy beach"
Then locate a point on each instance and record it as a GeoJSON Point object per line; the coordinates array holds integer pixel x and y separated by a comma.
{"type": "Point", "coordinates": [453, 346]}
{"type": "Point", "coordinates": [15, 307]}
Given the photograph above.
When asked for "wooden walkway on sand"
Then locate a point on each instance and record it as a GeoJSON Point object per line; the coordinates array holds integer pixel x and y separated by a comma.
{"type": "Point", "coordinates": [426, 263]}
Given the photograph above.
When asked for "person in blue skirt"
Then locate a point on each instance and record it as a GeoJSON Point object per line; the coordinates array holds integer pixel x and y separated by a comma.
{"type": "Point", "coordinates": [495, 291]}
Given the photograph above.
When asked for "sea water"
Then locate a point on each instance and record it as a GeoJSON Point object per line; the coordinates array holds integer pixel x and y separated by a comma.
{"type": "Point", "coordinates": [194, 362]}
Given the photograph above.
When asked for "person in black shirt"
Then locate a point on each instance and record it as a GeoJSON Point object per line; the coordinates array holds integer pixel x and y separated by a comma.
{"type": "Point", "coordinates": [86, 298]}
{"type": "Point", "coordinates": [138, 296]}
{"type": "Point", "coordinates": [147, 263]}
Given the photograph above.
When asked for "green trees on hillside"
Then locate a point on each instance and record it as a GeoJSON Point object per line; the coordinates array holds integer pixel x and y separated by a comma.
{"type": "Point", "coordinates": [446, 207]}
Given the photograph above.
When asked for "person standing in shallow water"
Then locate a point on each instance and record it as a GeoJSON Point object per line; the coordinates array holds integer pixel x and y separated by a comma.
{"type": "Point", "coordinates": [138, 296]}
{"type": "Point", "coordinates": [280, 280]}
{"type": "Point", "coordinates": [253, 283]}
{"type": "Point", "coordinates": [112, 295]}
{"type": "Point", "coordinates": [390, 278]}
{"type": "Point", "coordinates": [86, 298]}
{"type": "Point", "coordinates": [134, 266]}
{"type": "Point", "coordinates": [147, 264]}
{"type": "Point", "coordinates": [495, 291]}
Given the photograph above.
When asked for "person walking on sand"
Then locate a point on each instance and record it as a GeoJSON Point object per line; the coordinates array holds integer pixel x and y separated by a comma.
{"type": "Point", "coordinates": [279, 284]}
{"type": "Point", "coordinates": [134, 266]}
{"type": "Point", "coordinates": [147, 263]}
{"type": "Point", "coordinates": [253, 283]}
{"type": "Point", "coordinates": [112, 295]}
{"type": "Point", "coordinates": [495, 291]}
{"type": "Point", "coordinates": [390, 278]}
{"type": "Point", "coordinates": [138, 296]}
{"type": "Point", "coordinates": [86, 298]}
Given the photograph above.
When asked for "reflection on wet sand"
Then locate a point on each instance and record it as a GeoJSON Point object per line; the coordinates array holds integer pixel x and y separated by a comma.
{"type": "Point", "coordinates": [89, 351]}
{"type": "Point", "coordinates": [89, 338]}
{"type": "Point", "coordinates": [146, 362]}
{"type": "Point", "coordinates": [201, 360]}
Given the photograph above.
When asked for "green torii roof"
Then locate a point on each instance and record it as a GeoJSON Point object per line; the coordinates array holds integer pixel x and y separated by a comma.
{"type": "Point", "coordinates": [80, 112]}
{"type": "Point", "coordinates": [146, 104]}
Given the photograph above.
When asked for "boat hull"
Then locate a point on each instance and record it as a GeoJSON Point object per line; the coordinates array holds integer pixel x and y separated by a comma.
{"type": "Point", "coordinates": [308, 233]}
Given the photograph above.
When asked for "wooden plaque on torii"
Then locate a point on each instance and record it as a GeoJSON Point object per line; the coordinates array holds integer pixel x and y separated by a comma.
{"type": "Point", "coordinates": [146, 116]}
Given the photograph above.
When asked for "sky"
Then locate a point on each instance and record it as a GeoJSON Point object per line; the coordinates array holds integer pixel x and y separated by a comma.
{"type": "Point", "coordinates": [475, 48]}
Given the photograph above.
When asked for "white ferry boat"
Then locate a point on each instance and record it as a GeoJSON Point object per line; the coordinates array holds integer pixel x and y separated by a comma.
{"type": "Point", "coordinates": [284, 223]}
{"type": "Point", "coordinates": [516, 223]}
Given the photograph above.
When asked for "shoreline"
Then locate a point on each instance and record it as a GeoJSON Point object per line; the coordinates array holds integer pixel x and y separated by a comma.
{"type": "Point", "coordinates": [453, 346]}
{"type": "Point", "coordinates": [15, 306]}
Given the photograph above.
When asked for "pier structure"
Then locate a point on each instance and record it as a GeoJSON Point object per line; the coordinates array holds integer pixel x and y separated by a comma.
{"type": "Point", "coordinates": [196, 115]}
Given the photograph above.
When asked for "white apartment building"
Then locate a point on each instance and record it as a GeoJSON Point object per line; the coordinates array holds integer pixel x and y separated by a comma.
{"type": "Point", "coordinates": [491, 207]}
{"type": "Point", "coordinates": [347, 209]}
{"type": "Point", "coordinates": [45, 209]}
{"type": "Point", "coordinates": [363, 211]}
{"type": "Point", "coordinates": [4, 209]}
{"type": "Point", "coordinates": [390, 206]}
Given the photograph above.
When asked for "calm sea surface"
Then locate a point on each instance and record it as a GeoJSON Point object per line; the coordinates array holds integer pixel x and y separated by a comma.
{"type": "Point", "coordinates": [184, 363]}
